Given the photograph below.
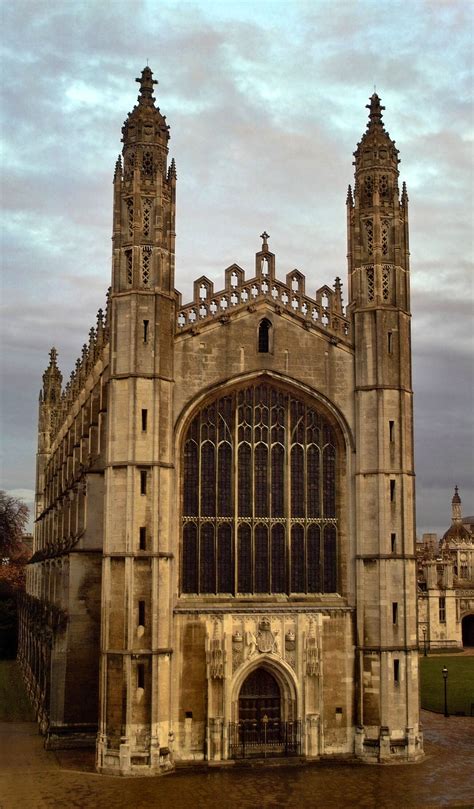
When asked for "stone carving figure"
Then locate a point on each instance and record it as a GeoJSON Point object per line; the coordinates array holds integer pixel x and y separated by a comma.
{"type": "Point", "coordinates": [251, 641]}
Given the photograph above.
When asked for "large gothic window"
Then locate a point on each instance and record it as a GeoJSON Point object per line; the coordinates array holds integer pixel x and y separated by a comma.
{"type": "Point", "coordinates": [259, 496]}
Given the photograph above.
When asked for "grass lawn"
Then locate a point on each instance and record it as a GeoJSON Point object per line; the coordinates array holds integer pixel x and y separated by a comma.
{"type": "Point", "coordinates": [14, 705]}
{"type": "Point", "coordinates": [460, 683]}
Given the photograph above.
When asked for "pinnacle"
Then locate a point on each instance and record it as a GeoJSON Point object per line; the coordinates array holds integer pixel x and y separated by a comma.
{"type": "Point", "coordinates": [118, 168]}
{"type": "Point", "coordinates": [52, 379]}
{"type": "Point", "coordinates": [375, 112]}
{"type": "Point", "coordinates": [146, 82]}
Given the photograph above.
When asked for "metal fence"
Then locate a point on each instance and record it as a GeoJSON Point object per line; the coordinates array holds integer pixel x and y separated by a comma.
{"type": "Point", "coordinates": [264, 739]}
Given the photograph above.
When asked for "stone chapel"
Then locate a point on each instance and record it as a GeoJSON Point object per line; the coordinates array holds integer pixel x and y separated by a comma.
{"type": "Point", "coordinates": [224, 561]}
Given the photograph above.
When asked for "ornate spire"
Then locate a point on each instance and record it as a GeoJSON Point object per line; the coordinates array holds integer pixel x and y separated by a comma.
{"type": "Point", "coordinates": [145, 124]}
{"type": "Point", "coordinates": [376, 148]}
{"type": "Point", "coordinates": [146, 81]}
{"type": "Point", "coordinates": [375, 113]}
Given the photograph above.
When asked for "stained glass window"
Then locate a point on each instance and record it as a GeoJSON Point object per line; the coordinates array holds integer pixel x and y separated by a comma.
{"type": "Point", "coordinates": [313, 543]}
{"type": "Point", "coordinates": [245, 584]}
{"type": "Point", "coordinates": [224, 480]}
{"type": "Point", "coordinates": [262, 583]}
{"type": "Point", "coordinates": [208, 480]}
{"type": "Point", "coordinates": [330, 585]}
{"type": "Point", "coordinates": [261, 480]}
{"type": "Point", "coordinates": [190, 557]}
{"type": "Point", "coordinates": [225, 568]}
{"type": "Point", "coordinates": [245, 481]}
{"type": "Point", "coordinates": [297, 481]}
{"type": "Point", "coordinates": [297, 559]}
{"type": "Point", "coordinates": [191, 474]}
{"type": "Point", "coordinates": [260, 472]}
{"type": "Point", "coordinates": [278, 477]}
{"type": "Point", "coordinates": [278, 560]}
{"type": "Point", "coordinates": [312, 481]}
{"type": "Point", "coordinates": [207, 559]}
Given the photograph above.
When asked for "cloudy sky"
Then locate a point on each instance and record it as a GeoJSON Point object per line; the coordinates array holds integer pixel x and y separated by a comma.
{"type": "Point", "coordinates": [266, 102]}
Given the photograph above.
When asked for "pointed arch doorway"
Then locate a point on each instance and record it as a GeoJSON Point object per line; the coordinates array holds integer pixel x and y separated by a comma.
{"type": "Point", "coordinates": [260, 705]}
{"type": "Point", "coordinates": [261, 729]}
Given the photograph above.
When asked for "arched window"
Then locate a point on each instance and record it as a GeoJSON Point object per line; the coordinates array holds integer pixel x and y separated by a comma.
{"type": "Point", "coordinates": [259, 505]}
{"type": "Point", "coordinates": [264, 336]}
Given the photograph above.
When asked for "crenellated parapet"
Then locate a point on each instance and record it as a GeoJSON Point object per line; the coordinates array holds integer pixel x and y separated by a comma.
{"type": "Point", "coordinates": [323, 311]}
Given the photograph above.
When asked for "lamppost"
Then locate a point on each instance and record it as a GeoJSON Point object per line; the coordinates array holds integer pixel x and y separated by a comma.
{"type": "Point", "coordinates": [424, 640]}
{"type": "Point", "coordinates": [445, 677]}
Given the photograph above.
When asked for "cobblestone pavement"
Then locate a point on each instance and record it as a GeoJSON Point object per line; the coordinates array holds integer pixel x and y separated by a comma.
{"type": "Point", "coordinates": [31, 778]}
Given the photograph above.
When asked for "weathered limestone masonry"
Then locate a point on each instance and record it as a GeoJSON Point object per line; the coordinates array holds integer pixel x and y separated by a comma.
{"type": "Point", "coordinates": [59, 621]}
{"type": "Point", "coordinates": [227, 488]}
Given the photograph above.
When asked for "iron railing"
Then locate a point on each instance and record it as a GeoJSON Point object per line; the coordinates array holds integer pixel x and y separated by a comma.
{"type": "Point", "coordinates": [249, 739]}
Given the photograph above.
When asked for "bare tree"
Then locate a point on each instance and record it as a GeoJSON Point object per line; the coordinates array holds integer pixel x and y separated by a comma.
{"type": "Point", "coordinates": [13, 518]}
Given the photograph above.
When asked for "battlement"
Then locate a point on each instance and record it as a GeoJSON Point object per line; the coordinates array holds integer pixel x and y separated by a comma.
{"type": "Point", "coordinates": [324, 311]}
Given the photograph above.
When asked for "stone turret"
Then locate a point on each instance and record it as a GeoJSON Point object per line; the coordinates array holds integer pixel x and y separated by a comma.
{"type": "Point", "coordinates": [140, 452]}
{"type": "Point", "coordinates": [378, 253]}
{"type": "Point", "coordinates": [144, 199]}
{"type": "Point", "coordinates": [378, 268]}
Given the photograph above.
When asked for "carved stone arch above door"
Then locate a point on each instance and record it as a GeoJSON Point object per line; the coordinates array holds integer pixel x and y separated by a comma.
{"type": "Point", "coordinates": [284, 677]}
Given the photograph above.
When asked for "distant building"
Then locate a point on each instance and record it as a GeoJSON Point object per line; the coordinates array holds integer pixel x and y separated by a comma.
{"type": "Point", "coordinates": [446, 584]}
{"type": "Point", "coordinates": [224, 560]}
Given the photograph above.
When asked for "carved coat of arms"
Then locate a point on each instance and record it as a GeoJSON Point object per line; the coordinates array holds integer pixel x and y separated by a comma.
{"type": "Point", "coordinates": [266, 640]}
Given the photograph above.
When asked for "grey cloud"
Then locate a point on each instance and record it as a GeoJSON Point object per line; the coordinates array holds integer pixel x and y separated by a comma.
{"type": "Point", "coordinates": [264, 115]}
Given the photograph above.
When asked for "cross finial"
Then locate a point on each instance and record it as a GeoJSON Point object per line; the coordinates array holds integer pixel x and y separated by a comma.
{"type": "Point", "coordinates": [265, 236]}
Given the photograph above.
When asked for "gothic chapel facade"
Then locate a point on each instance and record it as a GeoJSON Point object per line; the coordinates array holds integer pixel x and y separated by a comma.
{"type": "Point", "coordinates": [224, 547]}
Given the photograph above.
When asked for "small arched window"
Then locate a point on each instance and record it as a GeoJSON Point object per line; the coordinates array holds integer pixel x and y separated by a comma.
{"type": "Point", "coordinates": [264, 336]}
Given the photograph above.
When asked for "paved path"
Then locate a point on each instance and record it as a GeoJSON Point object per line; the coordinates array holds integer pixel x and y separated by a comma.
{"type": "Point", "coordinates": [31, 778]}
